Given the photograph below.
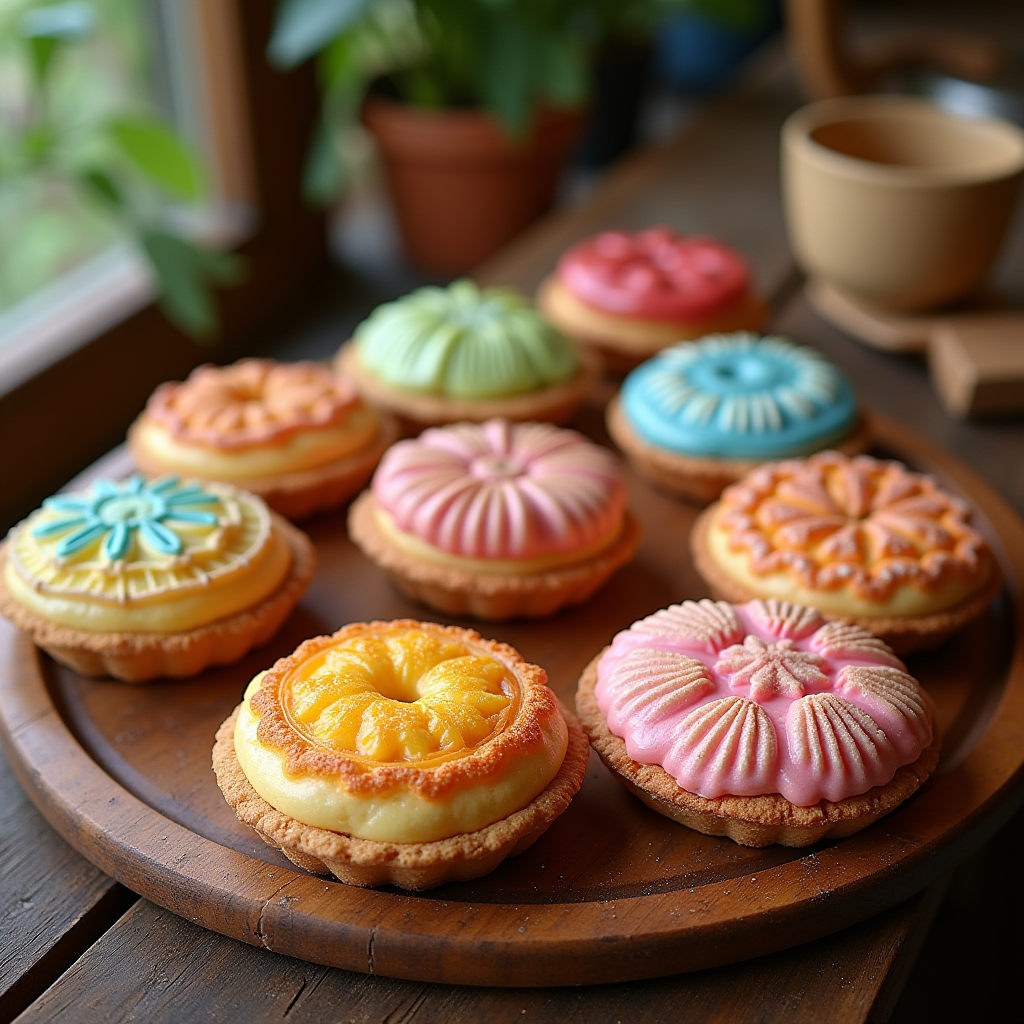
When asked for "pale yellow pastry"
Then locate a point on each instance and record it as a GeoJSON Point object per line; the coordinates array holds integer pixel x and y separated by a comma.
{"type": "Point", "coordinates": [857, 538]}
{"type": "Point", "coordinates": [140, 579]}
{"type": "Point", "coordinates": [297, 434]}
{"type": "Point", "coordinates": [400, 752]}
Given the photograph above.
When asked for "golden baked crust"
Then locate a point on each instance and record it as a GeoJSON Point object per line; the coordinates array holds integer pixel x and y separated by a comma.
{"type": "Point", "coordinates": [697, 478]}
{"type": "Point", "coordinates": [554, 404]}
{"type": "Point", "coordinates": [623, 341]}
{"type": "Point", "coordinates": [747, 820]}
{"type": "Point", "coordinates": [904, 634]}
{"type": "Point", "coordinates": [493, 597]}
{"type": "Point", "coordinates": [367, 862]}
{"type": "Point", "coordinates": [306, 492]}
{"type": "Point", "coordinates": [141, 657]}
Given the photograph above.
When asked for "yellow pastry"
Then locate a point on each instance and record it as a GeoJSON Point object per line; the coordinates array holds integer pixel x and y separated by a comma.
{"type": "Point", "coordinates": [138, 579]}
{"type": "Point", "coordinates": [297, 434]}
{"type": "Point", "coordinates": [401, 752]}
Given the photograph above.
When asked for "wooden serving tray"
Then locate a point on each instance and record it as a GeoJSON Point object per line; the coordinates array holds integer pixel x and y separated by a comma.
{"type": "Point", "coordinates": [612, 891]}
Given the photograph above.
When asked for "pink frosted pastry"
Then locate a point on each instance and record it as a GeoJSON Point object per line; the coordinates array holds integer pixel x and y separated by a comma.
{"type": "Point", "coordinates": [759, 721]}
{"type": "Point", "coordinates": [497, 519]}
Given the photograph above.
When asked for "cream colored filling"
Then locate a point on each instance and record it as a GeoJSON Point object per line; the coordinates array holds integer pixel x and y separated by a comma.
{"type": "Point", "coordinates": [163, 612]}
{"type": "Point", "coordinates": [398, 816]}
{"type": "Point", "coordinates": [905, 600]}
{"type": "Point", "coordinates": [306, 449]}
{"type": "Point", "coordinates": [414, 546]}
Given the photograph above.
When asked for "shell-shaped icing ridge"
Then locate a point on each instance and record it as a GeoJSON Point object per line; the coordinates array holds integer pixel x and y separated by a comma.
{"type": "Point", "coordinates": [770, 669]}
{"type": "Point", "coordinates": [502, 490]}
{"type": "Point", "coordinates": [783, 619]}
{"type": "Point", "coordinates": [847, 640]}
{"type": "Point", "coordinates": [739, 396]}
{"type": "Point", "coordinates": [900, 697]}
{"type": "Point", "coordinates": [709, 625]}
{"type": "Point", "coordinates": [652, 685]}
{"type": "Point", "coordinates": [463, 341]}
{"type": "Point", "coordinates": [842, 748]}
{"type": "Point", "coordinates": [725, 747]}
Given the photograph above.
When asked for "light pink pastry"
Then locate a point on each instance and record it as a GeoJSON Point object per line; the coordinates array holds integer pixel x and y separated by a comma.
{"type": "Point", "coordinates": [760, 721]}
{"type": "Point", "coordinates": [497, 519]}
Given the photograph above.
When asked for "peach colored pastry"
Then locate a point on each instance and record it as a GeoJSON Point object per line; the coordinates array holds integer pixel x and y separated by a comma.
{"type": "Point", "coordinates": [296, 434]}
{"type": "Point", "coordinates": [401, 753]}
{"type": "Point", "coordinates": [497, 520]}
{"type": "Point", "coordinates": [859, 538]}
{"type": "Point", "coordinates": [701, 415]}
{"type": "Point", "coordinates": [447, 355]}
{"type": "Point", "coordinates": [761, 722]}
{"type": "Point", "coordinates": [137, 579]}
{"type": "Point", "coordinates": [629, 295]}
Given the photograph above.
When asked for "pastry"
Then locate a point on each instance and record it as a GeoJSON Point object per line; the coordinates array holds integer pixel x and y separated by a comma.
{"type": "Point", "coordinates": [630, 295]}
{"type": "Point", "coordinates": [137, 579]}
{"type": "Point", "coordinates": [445, 355]}
{"type": "Point", "coordinates": [761, 722]}
{"type": "Point", "coordinates": [496, 520]}
{"type": "Point", "coordinates": [296, 434]}
{"type": "Point", "coordinates": [701, 415]}
{"type": "Point", "coordinates": [859, 538]}
{"type": "Point", "coordinates": [400, 752]}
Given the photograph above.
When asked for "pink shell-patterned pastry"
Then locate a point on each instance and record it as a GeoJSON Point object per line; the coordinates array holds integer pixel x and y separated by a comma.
{"type": "Point", "coordinates": [763, 700]}
{"type": "Point", "coordinates": [497, 519]}
{"type": "Point", "coordinates": [502, 490]}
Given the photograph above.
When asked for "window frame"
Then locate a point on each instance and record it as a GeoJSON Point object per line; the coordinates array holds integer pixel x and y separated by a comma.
{"type": "Point", "coordinates": [79, 394]}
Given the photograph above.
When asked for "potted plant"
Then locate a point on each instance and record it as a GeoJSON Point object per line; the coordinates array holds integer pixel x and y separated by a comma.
{"type": "Point", "coordinates": [474, 104]}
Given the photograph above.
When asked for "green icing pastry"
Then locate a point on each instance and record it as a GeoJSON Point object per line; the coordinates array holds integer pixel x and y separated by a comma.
{"type": "Point", "coordinates": [464, 342]}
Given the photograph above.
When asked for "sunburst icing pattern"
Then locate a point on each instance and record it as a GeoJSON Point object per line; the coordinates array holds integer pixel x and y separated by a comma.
{"type": "Point", "coordinates": [739, 396]}
{"type": "Point", "coordinates": [399, 698]}
{"type": "Point", "coordinates": [252, 402]}
{"type": "Point", "coordinates": [872, 526]}
{"type": "Point", "coordinates": [795, 707]}
{"type": "Point", "coordinates": [502, 490]}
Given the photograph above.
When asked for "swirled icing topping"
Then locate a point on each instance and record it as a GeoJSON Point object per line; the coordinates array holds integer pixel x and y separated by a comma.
{"type": "Point", "coordinates": [400, 731]}
{"type": "Point", "coordinates": [655, 274]}
{"type": "Point", "coordinates": [135, 555]}
{"type": "Point", "coordinates": [252, 402]}
{"type": "Point", "coordinates": [868, 527]}
{"type": "Point", "coordinates": [765, 697]}
{"type": "Point", "coordinates": [500, 490]}
{"type": "Point", "coordinates": [739, 396]}
{"type": "Point", "coordinates": [464, 342]}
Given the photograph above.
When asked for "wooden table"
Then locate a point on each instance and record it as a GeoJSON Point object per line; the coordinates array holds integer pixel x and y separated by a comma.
{"type": "Point", "coordinates": [76, 946]}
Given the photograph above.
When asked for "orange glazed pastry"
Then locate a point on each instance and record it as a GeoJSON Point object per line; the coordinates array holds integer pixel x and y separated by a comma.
{"type": "Point", "coordinates": [297, 434]}
{"type": "Point", "coordinates": [629, 295]}
{"type": "Point", "coordinates": [498, 519]}
{"type": "Point", "coordinates": [401, 753]}
{"type": "Point", "coordinates": [761, 722]}
{"type": "Point", "coordinates": [137, 579]}
{"type": "Point", "coordinates": [860, 539]}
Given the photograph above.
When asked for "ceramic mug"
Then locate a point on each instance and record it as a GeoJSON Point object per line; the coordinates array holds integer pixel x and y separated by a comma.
{"type": "Point", "coordinates": [894, 201]}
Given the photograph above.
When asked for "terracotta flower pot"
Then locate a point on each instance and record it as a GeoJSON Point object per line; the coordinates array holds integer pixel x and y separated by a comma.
{"type": "Point", "coordinates": [461, 187]}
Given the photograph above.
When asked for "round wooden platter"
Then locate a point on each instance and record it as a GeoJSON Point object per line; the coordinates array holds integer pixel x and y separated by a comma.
{"type": "Point", "coordinates": [612, 891]}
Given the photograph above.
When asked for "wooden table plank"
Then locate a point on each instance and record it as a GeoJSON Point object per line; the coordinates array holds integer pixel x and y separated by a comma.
{"type": "Point", "coordinates": [155, 966]}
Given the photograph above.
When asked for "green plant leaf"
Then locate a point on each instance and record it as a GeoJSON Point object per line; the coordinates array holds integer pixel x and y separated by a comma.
{"type": "Point", "coordinates": [324, 173]}
{"type": "Point", "coordinates": [506, 72]}
{"type": "Point", "coordinates": [185, 273]}
{"type": "Point", "coordinates": [99, 184]}
{"type": "Point", "coordinates": [305, 26]}
{"type": "Point", "coordinates": [157, 151]}
{"type": "Point", "coordinates": [564, 72]}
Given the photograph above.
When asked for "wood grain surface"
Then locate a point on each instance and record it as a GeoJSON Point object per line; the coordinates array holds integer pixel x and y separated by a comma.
{"type": "Point", "coordinates": [612, 891]}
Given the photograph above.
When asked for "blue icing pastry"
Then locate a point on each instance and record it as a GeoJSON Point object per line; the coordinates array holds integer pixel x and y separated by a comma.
{"type": "Point", "coordinates": [739, 396]}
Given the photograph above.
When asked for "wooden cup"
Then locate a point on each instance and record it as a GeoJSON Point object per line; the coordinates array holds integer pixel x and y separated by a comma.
{"type": "Point", "coordinates": [896, 203]}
